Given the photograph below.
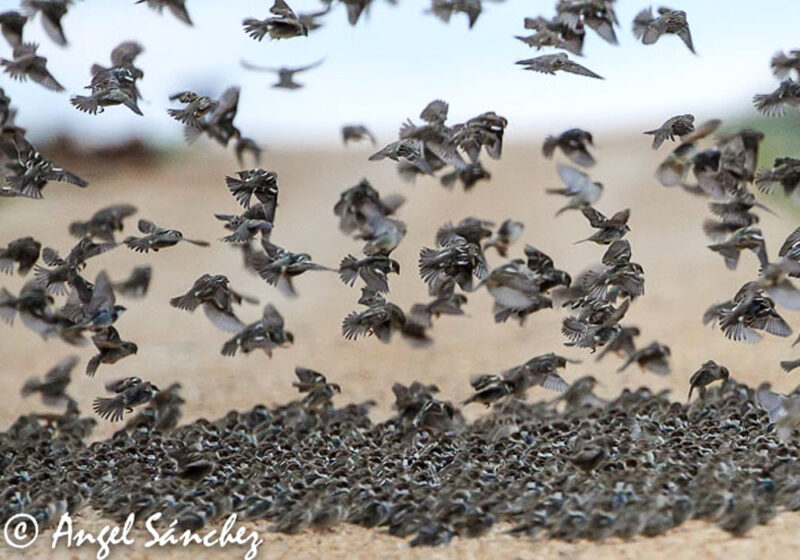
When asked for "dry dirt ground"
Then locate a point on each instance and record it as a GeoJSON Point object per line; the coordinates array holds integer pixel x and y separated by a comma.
{"type": "Point", "coordinates": [682, 278]}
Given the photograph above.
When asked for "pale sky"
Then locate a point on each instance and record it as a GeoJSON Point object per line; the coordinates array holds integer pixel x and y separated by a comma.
{"type": "Point", "coordinates": [393, 62]}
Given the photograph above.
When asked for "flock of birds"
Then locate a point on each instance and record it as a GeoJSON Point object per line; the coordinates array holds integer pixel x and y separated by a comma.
{"type": "Point", "coordinates": [524, 463]}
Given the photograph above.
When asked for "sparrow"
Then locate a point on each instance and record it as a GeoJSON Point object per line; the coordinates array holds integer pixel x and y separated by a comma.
{"type": "Point", "coordinates": [253, 221]}
{"type": "Point", "coordinates": [488, 390]}
{"type": "Point", "coordinates": [785, 171]}
{"type": "Point", "coordinates": [457, 260]}
{"type": "Point", "coordinates": [176, 7]}
{"type": "Point", "coordinates": [60, 271]}
{"type": "Point", "coordinates": [573, 143]}
{"type": "Point", "coordinates": [515, 292]}
{"type": "Point", "coordinates": [218, 124]}
{"type": "Point", "coordinates": [157, 238]}
{"type": "Point", "coordinates": [136, 285]}
{"type": "Point", "coordinates": [552, 63]}
{"type": "Point", "coordinates": [111, 349]}
{"type": "Point", "coordinates": [163, 412]}
{"type": "Point", "coordinates": [356, 133]}
{"type": "Point", "coordinates": [622, 344]}
{"type": "Point", "coordinates": [319, 393]}
{"type": "Point", "coordinates": [783, 64]}
{"type": "Point", "coordinates": [380, 318]}
{"type": "Point", "coordinates": [653, 357]}
{"type": "Point", "coordinates": [611, 229]}
{"type": "Point", "coordinates": [444, 9]}
{"type": "Point", "coordinates": [23, 251]}
{"type": "Point", "coordinates": [552, 33]}
{"type": "Point", "coordinates": [773, 104]}
{"type": "Point", "coordinates": [446, 304]}
{"type": "Point", "coordinates": [217, 297]}
{"type": "Point", "coordinates": [131, 392]}
{"type": "Point", "coordinates": [597, 15]}
{"type": "Point", "coordinates": [284, 25]}
{"type": "Point", "coordinates": [373, 271]}
{"type": "Point", "coordinates": [278, 266]}
{"type": "Point", "coordinates": [383, 235]}
{"type": "Point", "coordinates": [103, 223]}
{"type": "Point", "coordinates": [94, 310]}
{"type": "Point", "coordinates": [51, 12]}
{"type": "Point", "coordinates": [406, 150]}
{"type": "Point", "coordinates": [32, 304]}
{"type": "Point", "coordinates": [681, 126]}
{"type": "Point", "coordinates": [507, 234]}
{"type": "Point", "coordinates": [595, 325]}
{"type": "Point", "coordinates": [244, 145]}
{"type": "Point", "coordinates": [266, 333]}
{"type": "Point", "coordinates": [53, 386]}
{"type": "Point", "coordinates": [748, 312]}
{"type": "Point", "coordinates": [195, 109]}
{"type": "Point", "coordinates": [255, 182]}
{"type": "Point", "coordinates": [11, 25]}
{"type": "Point", "coordinates": [285, 74]}
{"type": "Point", "coordinates": [734, 213]}
{"type": "Point", "coordinates": [30, 171]}
{"type": "Point", "coordinates": [580, 189]}
{"type": "Point", "coordinates": [590, 455]}
{"type": "Point", "coordinates": [473, 230]}
{"type": "Point", "coordinates": [649, 29]}
{"type": "Point", "coordinates": [116, 86]}
{"type": "Point", "coordinates": [708, 373]}
{"type": "Point", "coordinates": [744, 238]}
{"type": "Point", "coordinates": [789, 365]}
{"type": "Point", "coordinates": [358, 206]}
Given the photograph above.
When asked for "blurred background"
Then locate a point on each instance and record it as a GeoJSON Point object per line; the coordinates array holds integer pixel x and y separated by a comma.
{"type": "Point", "coordinates": [380, 72]}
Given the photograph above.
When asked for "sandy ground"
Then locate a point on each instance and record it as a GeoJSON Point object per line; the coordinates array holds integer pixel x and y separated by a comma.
{"type": "Point", "coordinates": [682, 279]}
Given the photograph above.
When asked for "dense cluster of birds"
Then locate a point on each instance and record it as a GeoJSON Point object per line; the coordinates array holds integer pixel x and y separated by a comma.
{"type": "Point", "coordinates": [578, 467]}
{"type": "Point", "coordinates": [729, 456]}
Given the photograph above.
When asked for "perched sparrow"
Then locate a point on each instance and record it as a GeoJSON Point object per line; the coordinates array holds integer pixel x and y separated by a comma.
{"type": "Point", "coordinates": [157, 238]}
{"type": "Point", "coordinates": [217, 297]}
{"type": "Point", "coordinates": [552, 63]}
{"type": "Point", "coordinates": [54, 384]}
{"type": "Point", "coordinates": [131, 392]}
{"type": "Point", "coordinates": [708, 373]}
{"type": "Point", "coordinates": [372, 270]}
{"type": "Point", "coordinates": [285, 74]}
{"type": "Point", "coordinates": [580, 189]}
{"type": "Point", "coordinates": [266, 333]}
{"type": "Point", "coordinates": [590, 455]}
{"type": "Point", "coordinates": [23, 251]}
{"type": "Point", "coordinates": [177, 7]}
{"type": "Point", "coordinates": [573, 143]}
{"type": "Point", "coordinates": [649, 29]}
{"type": "Point", "coordinates": [103, 223]}
{"type": "Point", "coordinates": [284, 25]}
{"type": "Point", "coordinates": [136, 285]}
{"type": "Point", "coordinates": [111, 349]}
{"type": "Point", "coordinates": [356, 133]}
{"type": "Point", "coordinates": [681, 126]}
